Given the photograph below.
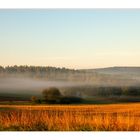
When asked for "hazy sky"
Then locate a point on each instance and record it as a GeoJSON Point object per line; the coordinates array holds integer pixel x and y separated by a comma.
{"type": "Point", "coordinates": [70, 38]}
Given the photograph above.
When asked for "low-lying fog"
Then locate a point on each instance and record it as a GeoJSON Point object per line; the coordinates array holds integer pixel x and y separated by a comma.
{"type": "Point", "coordinates": [28, 84]}
{"type": "Point", "coordinates": [18, 84]}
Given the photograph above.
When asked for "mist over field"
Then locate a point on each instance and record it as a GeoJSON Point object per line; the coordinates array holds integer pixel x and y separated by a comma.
{"type": "Point", "coordinates": [28, 84]}
{"type": "Point", "coordinates": [12, 84]}
{"type": "Point", "coordinates": [28, 81]}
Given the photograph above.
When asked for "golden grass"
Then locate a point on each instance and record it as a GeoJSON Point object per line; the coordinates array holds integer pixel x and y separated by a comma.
{"type": "Point", "coordinates": [116, 117]}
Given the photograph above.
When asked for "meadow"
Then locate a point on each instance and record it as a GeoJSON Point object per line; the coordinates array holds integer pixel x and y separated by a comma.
{"type": "Point", "coordinates": [112, 117]}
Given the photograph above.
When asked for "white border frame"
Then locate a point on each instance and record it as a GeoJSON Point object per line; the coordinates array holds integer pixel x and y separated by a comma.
{"type": "Point", "coordinates": [69, 4]}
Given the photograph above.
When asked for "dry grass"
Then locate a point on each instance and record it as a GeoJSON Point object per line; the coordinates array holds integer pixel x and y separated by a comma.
{"type": "Point", "coordinates": [117, 117]}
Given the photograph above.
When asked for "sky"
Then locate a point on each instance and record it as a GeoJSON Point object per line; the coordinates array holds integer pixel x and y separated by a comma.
{"type": "Point", "coordinates": [84, 38]}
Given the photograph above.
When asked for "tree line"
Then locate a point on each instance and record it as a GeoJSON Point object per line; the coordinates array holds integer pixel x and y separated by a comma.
{"type": "Point", "coordinates": [64, 74]}
{"type": "Point", "coordinates": [34, 69]}
{"type": "Point", "coordinates": [49, 73]}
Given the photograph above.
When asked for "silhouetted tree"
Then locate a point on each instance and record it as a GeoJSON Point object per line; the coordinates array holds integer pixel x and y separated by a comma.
{"type": "Point", "coordinates": [52, 95]}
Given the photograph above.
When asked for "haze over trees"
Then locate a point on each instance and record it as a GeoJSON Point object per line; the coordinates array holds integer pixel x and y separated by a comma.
{"type": "Point", "coordinates": [23, 82]}
{"type": "Point", "coordinates": [112, 76]}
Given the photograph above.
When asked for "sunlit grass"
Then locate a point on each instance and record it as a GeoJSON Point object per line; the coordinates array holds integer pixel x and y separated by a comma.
{"type": "Point", "coordinates": [116, 117]}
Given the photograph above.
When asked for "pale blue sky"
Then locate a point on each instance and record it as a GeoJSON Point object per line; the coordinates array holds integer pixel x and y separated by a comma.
{"type": "Point", "coordinates": [70, 38]}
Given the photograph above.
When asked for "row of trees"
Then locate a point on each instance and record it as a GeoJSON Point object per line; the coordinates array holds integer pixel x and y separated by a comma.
{"type": "Point", "coordinates": [104, 91]}
{"type": "Point", "coordinates": [118, 91]}
{"type": "Point", "coordinates": [54, 73]}
{"type": "Point", "coordinates": [54, 96]}
{"type": "Point", "coordinates": [33, 69]}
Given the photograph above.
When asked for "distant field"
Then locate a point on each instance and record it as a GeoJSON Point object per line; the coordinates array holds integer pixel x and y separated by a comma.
{"type": "Point", "coordinates": [17, 96]}
{"type": "Point", "coordinates": [115, 117]}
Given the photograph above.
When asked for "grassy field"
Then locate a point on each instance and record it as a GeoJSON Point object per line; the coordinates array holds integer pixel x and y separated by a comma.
{"type": "Point", "coordinates": [115, 117]}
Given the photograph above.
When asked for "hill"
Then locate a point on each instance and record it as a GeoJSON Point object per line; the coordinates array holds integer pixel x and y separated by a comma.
{"type": "Point", "coordinates": [117, 70]}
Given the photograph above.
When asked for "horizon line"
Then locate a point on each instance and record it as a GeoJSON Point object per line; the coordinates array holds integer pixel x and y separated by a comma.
{"type": "Point", "coordinates": [4, 66]}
